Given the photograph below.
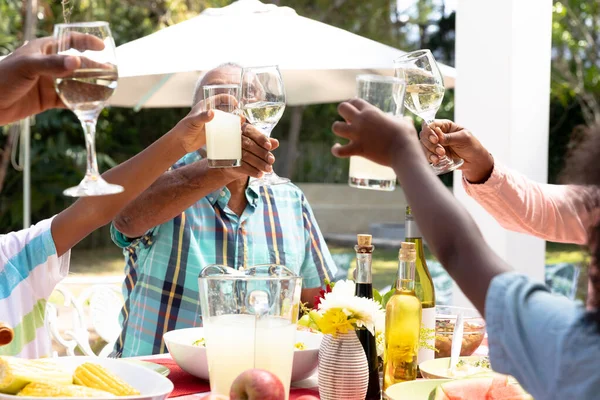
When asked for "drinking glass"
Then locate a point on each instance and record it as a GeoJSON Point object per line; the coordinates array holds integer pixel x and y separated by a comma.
{"type": "Point", "coordinates": [424, 94]}
{"type": "Point", "coordinates": [385, 93]}
{"type": "Point", "coordinates": [87, 89]}
{"type": "Point", "coordinates": [224, 131]}
{"type": "Point", "coordinates": [249, 318]}
{"type": "Point", "coordinates": [262, 99]}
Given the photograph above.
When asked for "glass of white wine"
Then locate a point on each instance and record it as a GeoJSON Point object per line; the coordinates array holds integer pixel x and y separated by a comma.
{"type": "Point", "coordinates": [87, 89]}
{"type": "Point", "coordinates": [424, 94]}
{"type": "Point", "coordinates": [262, 98]}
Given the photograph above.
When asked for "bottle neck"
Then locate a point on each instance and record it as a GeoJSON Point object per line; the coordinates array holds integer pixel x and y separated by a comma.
{"type": "Point", "coordinates": [412, 230]}
{"type": "Point", "coordinates": [406, 275]}
{"type": "Point", "coordinates": [363, 268]}
{"type": "Point", "coordinates": [413, 234]}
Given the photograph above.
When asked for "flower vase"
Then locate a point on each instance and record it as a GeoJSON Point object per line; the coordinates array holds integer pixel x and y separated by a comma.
{"type": "Point", "coordinates": [343, 369]}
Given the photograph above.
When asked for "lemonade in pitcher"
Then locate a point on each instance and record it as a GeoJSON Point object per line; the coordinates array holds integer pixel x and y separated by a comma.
{"type": "Point", "coordinates": [236, 343]}
{"type": "Point", "coordinates": [249, 320]}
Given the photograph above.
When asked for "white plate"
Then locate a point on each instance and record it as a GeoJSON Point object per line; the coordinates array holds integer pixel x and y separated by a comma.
{"type": "Point", "coordinates": [151, 385]}
{"type": "Point", "coordinates": [192, 359]}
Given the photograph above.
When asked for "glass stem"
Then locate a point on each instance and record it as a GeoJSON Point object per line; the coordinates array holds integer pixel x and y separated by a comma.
{"type": "Point", "coordinates": [89, 130]}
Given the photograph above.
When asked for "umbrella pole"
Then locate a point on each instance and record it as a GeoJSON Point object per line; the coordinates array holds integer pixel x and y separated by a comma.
{"type": "Point", "coordinates": [29, 34]}
{"type": "Point", "coordinates": [25, 145]}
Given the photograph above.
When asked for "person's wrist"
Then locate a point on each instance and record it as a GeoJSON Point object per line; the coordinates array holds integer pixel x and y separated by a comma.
{"type": "Point", "coordinates": [479, 172]}
{"type": "Point", "coordinates": [189, 141]}
{"type": "Point", "coordinates": [404, 145]}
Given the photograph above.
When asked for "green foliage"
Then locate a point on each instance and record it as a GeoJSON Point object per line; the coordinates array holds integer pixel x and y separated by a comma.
{"type": "Point", "coordinates": [576, 57]}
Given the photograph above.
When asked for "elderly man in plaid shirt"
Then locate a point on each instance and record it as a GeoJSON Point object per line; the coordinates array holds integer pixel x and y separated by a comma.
{"type": "Point", "coordinates": [194, 216]}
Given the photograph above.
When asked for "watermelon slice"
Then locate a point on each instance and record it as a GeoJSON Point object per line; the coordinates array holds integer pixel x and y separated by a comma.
{"type": "Point", "coordinates": [495, 387]}
{"type": "Point", "coordinates": [464, 389]}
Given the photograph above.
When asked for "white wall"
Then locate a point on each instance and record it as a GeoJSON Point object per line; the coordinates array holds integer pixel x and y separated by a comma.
{"type": "Point", "coordinates": [503, 95]}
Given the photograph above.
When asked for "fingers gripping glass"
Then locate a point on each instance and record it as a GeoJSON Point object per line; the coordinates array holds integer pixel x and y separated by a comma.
{"type": "Point", "coordinates": [87, 89]}
{"type": "Point", "coordinates": [224, 131]}
{"type": "Point", "coordinates": [424, 94]}
{"type": "Point", "coordinates": [262, 99]}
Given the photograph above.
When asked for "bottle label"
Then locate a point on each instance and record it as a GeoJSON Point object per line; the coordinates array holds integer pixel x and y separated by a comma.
{"type": "Point", "coordinates": [428, 322]}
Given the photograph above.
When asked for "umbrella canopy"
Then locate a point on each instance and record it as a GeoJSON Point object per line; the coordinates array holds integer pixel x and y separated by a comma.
{"type": "Point", "coordinates": [319, 62]}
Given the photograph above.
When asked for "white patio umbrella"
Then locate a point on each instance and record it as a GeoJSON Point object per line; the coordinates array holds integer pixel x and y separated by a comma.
{"type": "Point", "coordinates": [319, 62]}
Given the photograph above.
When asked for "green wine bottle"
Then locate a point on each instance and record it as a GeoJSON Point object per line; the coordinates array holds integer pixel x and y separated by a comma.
{"type": "Point", "coordinates": [424, 288]}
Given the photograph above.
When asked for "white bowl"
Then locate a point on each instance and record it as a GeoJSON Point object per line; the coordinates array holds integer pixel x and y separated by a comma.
{"type": "Point", "coordinates": [192, 359]}
{"type": "Point", "coordinates": [150, 384]}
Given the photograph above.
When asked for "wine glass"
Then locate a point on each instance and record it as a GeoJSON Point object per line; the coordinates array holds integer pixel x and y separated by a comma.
{"type": "Point", "coordinates": [424, 94]}
{"type": "Point", "coordinates": [262, 98]}
{"type": "Point", "coordinates": [87, 89]}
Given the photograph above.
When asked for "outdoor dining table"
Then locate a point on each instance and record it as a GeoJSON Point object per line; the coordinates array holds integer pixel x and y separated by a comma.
{"type": "Point", "coordinates": [188, 387]}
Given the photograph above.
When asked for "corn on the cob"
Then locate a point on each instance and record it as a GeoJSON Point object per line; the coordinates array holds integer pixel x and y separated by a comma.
{"type": "Point", "coordinates": [97, 377]}
{"type": "Point", "coordinates": [48, 389]}
{"type": "Point", "coordinates": [15, 373]}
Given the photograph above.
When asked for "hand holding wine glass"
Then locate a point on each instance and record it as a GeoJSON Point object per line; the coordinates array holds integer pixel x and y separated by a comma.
{"type": "Point", "coordinates": [262, 98]}
{"type": "Point", "coordinates": [27, 77]}
{"type": "Point", "coordinates": [424, 94]}
{"type": "Point", "coordinates": [86, 91]}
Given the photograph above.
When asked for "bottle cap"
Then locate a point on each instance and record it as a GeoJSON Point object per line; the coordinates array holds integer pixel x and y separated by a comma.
{"type": "Point", "coordinates": [408, 252]}
{"type": "Point", "coordinates": [363, 240]}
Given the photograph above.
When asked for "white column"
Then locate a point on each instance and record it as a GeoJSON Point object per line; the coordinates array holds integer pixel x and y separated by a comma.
{"type": "Point", "coordinates": [503, 96]}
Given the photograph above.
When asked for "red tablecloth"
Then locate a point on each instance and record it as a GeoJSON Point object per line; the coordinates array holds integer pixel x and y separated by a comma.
{"type": "Point", "coordinates": [187, 386]}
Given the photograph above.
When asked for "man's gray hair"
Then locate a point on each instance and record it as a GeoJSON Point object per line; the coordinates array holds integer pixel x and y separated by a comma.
{"type": "Point", "coordinates": [198, 92]}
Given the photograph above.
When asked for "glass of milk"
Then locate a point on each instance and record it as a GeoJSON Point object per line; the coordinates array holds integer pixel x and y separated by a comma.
{"type": "Point", "coordinates": [249, 318]}
{"type": "Point", "coordinates": [224, 132]}
{"type": "Point", "coordinates": [387, 94]}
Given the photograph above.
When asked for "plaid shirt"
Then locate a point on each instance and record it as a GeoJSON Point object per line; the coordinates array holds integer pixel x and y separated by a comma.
{"type": "Point", "coordinates": [161, 283]}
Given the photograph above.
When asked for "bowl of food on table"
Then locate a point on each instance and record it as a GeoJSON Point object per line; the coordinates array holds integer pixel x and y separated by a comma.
{"type": "Point", "coordinates": [80, 378]}
{"type": "Point", "coordinates": [445, 321]}
{"type": "Point", "coordinates": [188, 349]}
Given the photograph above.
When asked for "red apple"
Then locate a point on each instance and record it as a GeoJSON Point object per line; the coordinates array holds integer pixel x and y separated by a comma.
{"type": "Point", "coordinates": [257, 384]}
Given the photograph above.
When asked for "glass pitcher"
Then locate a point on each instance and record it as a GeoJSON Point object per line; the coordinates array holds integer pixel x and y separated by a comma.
{"type": "Point", "coordinates": [249, 318]}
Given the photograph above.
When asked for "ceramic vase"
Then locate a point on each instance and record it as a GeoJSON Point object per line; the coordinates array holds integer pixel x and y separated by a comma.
{"type": "Point", "coordinates": [343, 369]}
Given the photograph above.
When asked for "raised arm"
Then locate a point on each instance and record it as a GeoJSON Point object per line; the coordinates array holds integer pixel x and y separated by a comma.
{"type": "Point", "coordinates": [557, 213]}
{"type": "Point", "coordinates": [178, 189]}
{"type": "Point", "coordinates": [135, 175]}
{"type": "Point", "coordinates": [450, 231]}
{"type": "Point", "coordinates": [551, 212]}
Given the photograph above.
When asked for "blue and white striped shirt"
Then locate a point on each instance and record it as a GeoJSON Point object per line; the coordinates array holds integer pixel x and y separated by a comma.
{"type": "Point", "coordinates": [29, 271]}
